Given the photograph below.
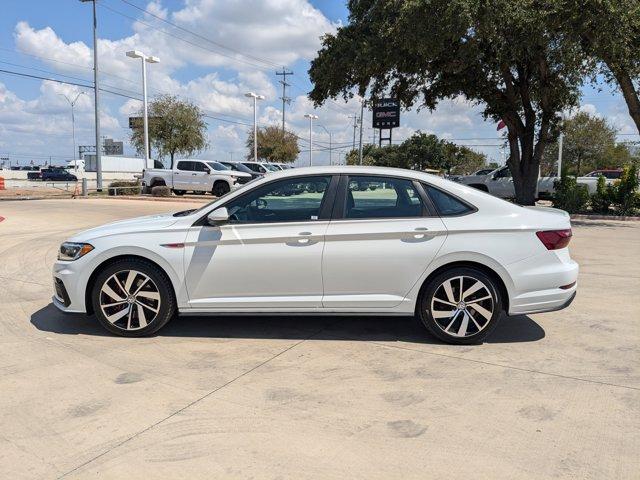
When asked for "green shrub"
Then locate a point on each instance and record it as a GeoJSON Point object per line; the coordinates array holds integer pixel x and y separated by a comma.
{"type": "Point", "coordinates": [570, 196]}
{"type": "Point", "coordinates": [124, 187]}
{"type": "Point", "coordinates": [626, 199]}
{"type": "Point", "coordinates": [602, 199]}
{"type": "Point", "coordinates": [161, 191]}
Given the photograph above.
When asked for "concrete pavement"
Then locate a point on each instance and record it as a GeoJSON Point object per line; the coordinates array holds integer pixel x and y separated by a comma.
{"type": "Point", "coordinates": [554, 395]}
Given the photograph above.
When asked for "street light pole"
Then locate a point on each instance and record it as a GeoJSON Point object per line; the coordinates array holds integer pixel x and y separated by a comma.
{"type": "Point", "coordinates": [96, 96]}
{"type": "Point", "coordinates": [145, 118]}
{"type": "Point", "coordinates": [73, 123]}
{"type": "Point", "coordinates": [311, 117]}
{"type": "Point", "coordinates": [330, 146]}
{"type": "Point", "coordinates": [255, 97]}
{"type": "Point", "coordinates": [360, 146]}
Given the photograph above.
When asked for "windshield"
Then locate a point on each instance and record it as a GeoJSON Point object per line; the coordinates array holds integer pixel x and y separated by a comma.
{"type": "Point", "coordinates": [270, 167]}
{"type": "Point", "coordinates": [218, 166]}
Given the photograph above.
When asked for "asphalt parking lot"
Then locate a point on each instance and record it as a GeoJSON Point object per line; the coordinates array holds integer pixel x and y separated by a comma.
{"type": "Point", "coordinates": [555, 395]}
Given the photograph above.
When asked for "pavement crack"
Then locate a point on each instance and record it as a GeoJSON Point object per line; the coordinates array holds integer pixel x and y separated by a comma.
{"type": "Point", "coordinates": [191, 404]}
{"type": "Point", "coordinates": [528, 370]}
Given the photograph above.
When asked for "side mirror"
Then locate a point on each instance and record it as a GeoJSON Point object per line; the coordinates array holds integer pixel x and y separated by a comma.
{"type": "Point", "coordinates": [218, 217]}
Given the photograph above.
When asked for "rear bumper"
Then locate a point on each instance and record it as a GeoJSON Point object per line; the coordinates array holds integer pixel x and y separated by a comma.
{"type": "Point", "coordinates": [539, 280]}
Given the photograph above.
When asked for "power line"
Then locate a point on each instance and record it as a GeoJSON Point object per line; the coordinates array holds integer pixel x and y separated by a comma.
{"type": "Point", "coordinates": [220, 45]}
{"type": "Point", "coordinates": [164, 32]}
{"type": "Point", "coordinates": [75, 65]}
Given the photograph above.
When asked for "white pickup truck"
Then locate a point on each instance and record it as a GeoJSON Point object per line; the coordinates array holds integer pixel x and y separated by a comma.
{"type": "Point", "coordinates": [198, 176]}
{"type": "Point", "coordinates": [500, 183]}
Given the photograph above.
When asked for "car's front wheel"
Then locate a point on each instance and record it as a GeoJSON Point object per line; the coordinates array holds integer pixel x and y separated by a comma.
{"type": "Point", "coordinates": [220, 188]}
{"type": "Point", "coordinates": [460, 306]}
{"type": "Point", "coordinates": [133, 298]}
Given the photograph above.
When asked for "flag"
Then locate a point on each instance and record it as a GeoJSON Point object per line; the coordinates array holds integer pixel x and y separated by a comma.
{"type": "Point", "coordinates": [501, 125]}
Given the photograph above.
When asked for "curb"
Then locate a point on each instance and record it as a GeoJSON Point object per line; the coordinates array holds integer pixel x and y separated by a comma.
{"type": "Point", "coordinates": [612, 218]}
{"type": "Point", "coordinates": [18, 199]}
{"type": "Point", "coordinates": [152, 199]}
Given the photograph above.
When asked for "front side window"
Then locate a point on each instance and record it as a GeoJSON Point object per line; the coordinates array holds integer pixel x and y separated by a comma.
{"type": "Point", "coordinates": [504, 173]}
{"type": "Point", "coordinates": [381, 197]}
{"type": "Point", "coordinates": [446, 205]}
{"type": "Point", "coordinates": [291, 200]}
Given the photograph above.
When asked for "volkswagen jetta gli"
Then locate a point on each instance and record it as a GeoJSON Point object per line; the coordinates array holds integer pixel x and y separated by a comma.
{"type": "Point", "coordinates": [327, 240]}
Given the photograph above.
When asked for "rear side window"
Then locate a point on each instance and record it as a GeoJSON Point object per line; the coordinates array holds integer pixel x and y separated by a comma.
{"type": "Point", "coordinates": [188, 166]}
{"type": "Point", "coordinates": [447, 205]}
{"type": "Point", "coordinates": [382, 197]}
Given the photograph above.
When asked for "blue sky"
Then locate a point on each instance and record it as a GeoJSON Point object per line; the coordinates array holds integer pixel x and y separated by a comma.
{"type": "Point", "coordinates": [36, 118]}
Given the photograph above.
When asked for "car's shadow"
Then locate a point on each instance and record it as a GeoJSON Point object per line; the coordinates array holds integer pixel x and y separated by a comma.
{"type": "Point", "coordinates": [520, 328]}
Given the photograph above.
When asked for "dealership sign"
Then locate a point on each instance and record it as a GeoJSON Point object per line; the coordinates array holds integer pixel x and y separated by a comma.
{"type": "Point", "coordinates": [386, 113]}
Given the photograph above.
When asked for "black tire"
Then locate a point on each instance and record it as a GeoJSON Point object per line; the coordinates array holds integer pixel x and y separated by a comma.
{"type": "Point", "coordinates": [160, 284]}
{"type": "Point", "coordinates": [442, 326]}
{"type": "Point", "coordinates": [179, 193]}
{"type": "Point", "coordinates": [220, 188]}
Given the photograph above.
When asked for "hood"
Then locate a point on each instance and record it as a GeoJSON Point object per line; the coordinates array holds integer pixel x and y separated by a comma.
{"type": "Point", "coordinates": [133, 225]}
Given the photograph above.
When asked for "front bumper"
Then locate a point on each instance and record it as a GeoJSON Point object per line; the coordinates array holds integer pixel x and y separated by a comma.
{"type": "Point", "coordinates": [68, 286]}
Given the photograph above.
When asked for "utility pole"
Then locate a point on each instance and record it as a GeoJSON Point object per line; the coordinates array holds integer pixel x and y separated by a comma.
{"type": "Point", "coordinates": [96, 95]}
{"type": "Point", "coordinates": [360, 147]}
{"type": "Point", "coordinates": [284, 97]}
{"type": "Point", "coordinates": [330, 145]}
{"type": "Point", "coordinates": [354, 117]}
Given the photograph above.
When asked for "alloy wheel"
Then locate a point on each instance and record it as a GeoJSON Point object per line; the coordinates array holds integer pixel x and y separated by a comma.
{"type": "Point", "coordinates": [129, 300]}
{"type": "Point", "coordinates": [462, 306]}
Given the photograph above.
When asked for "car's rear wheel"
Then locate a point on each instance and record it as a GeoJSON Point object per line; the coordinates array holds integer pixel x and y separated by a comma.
{"type": "Point", "coordinates": [460, 306]}
{"type": "Point", "coordinates": [133, 298]}
{"type": "Point", "coordinates": [220, 188]}
{"type": "Point", "coordinates": [179, 192]}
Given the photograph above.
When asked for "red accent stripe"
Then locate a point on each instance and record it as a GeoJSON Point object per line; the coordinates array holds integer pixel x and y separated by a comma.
{"type": "Point", "coordinates": [173, 245]}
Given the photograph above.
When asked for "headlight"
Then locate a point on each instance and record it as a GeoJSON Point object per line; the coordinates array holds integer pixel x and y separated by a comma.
{"type": "Point", "coordinates": [73, 251]}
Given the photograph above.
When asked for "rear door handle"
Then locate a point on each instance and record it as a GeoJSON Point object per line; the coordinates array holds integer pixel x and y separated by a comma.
{"type": "Point", "coordinates": [420, 232]}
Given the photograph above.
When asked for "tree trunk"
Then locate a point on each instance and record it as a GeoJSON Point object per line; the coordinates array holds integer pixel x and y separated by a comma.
{"type": "Point", "coordinates": [629, 93]}
{"type": "Point", "coordinates": [524, 165]}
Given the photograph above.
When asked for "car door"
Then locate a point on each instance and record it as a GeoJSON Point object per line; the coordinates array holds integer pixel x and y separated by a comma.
{"type": "Point", "coordinates": [183, 174]}
{"type": "Point", "coordinates": [202, 177]}
{"type": "Point", "coordinates": [379, 243]}
{"type": "Point", "coordinates": [269, 254]}
{"type": "Point", "coordinates": [502, 184]}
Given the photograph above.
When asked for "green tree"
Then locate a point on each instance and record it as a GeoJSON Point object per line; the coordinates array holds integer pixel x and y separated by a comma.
{"type": "Point", "coordinates": [176, 127]}
{"type": "Point", "coordinates": [421, 151]}
{"type": "Point", "coordinates": [589, 144]}
{"type": "Point", "coordinates": [462, 160]}
{"type": "Point", "coordinates": [609, 33]}
{"type": "Point", "coordinates": [501, 54]}
{"type": "Point", "coordinates": [274, 145]}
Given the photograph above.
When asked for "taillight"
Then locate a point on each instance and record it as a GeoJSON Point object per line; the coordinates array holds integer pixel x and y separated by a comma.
{"type": "Point", "coordinates": [555, 239]}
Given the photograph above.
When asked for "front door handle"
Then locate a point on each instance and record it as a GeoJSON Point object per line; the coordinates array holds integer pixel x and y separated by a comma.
{"type": "Point", "coordinates": [305, 237]}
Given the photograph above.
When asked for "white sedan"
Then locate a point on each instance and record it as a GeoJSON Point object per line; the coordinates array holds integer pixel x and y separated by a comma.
{"type": "Point", "coordinates": [327, 240]}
